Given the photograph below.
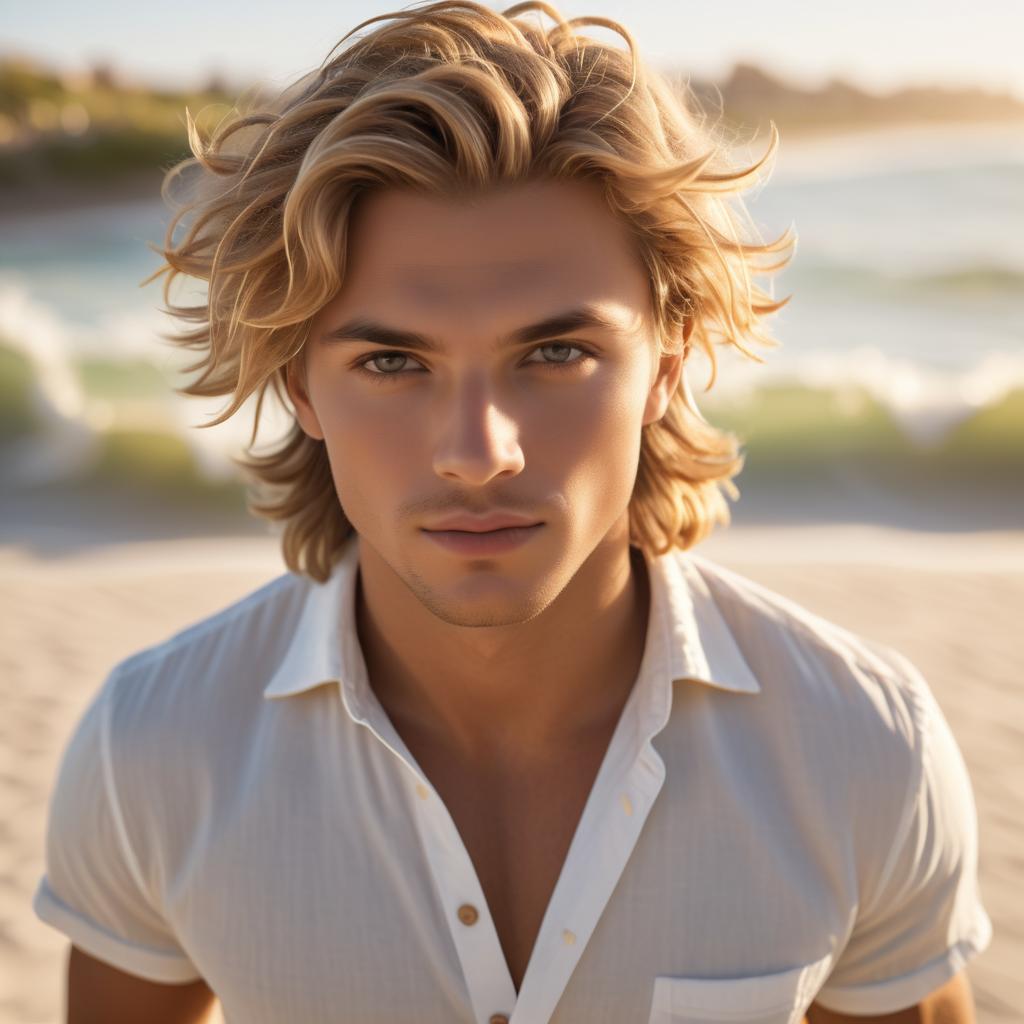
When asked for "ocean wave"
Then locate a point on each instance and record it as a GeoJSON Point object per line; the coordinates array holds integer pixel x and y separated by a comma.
{"type": "Point", "coordinates": [73, 409]}
{"type": "Point", "coordinates": [926, 402]}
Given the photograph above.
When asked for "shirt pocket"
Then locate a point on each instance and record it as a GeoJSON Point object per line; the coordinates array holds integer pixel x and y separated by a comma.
{"type": "Point", "coordinates": [779, 998]}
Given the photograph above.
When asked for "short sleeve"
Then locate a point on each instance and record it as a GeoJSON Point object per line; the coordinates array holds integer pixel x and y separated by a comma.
{"type": "Point", "coordinates": [92, 890]}
{"type": "Point", "coordinates": [924, 921]}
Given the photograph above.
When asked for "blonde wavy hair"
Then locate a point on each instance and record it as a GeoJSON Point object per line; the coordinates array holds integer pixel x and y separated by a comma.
{"type": "Point", "coordinates": [453, 97]}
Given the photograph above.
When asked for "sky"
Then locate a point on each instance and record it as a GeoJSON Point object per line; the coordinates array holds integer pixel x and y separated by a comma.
{"type": "Point", "coordinates": [877, 44]}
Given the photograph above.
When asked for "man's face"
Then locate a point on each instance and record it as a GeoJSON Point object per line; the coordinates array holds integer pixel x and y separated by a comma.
{"type": "Point", "coordinates": [548, 428]}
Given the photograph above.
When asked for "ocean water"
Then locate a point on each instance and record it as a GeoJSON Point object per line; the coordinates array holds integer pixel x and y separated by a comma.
{"type": "Point", "coordinates": [907, 281]}
{"type": "Point", "coordinates": [908, 276]}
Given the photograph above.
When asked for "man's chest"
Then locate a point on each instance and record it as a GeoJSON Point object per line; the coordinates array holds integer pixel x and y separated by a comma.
{"type": "Point", "coordinates": [517, 828]}
{"type": "Point", "coordinates": [426, 896]}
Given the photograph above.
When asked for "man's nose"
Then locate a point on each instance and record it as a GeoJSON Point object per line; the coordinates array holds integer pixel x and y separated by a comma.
{"type": "Point", "coordinates": [477, 440]}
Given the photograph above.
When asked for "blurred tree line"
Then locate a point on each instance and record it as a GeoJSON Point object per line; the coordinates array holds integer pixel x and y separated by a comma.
{"type": "Point", "coordinates": [96, 128]}
{"type": "Point", "coordinates": [92, 127]}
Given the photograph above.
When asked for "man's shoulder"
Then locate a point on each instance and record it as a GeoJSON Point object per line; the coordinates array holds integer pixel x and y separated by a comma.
{"type": "Point", "coordinates": [847, 687]}
{"type": "Point", "coordinates": [766, 623]}
{"type": "Point", "coordinates": [227, 655]}
{"type": "Point", "coordinates": [176, 721]}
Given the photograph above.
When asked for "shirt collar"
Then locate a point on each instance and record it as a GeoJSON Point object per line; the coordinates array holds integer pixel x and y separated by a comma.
{"type": "Point", "coordinates": [688, 639]}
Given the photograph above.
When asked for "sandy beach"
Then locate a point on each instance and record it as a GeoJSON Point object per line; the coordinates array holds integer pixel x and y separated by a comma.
{"type": "Point", "coordinates": [949, 601]}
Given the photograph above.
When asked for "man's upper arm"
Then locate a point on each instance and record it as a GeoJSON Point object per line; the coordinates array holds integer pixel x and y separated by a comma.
{"type": "Point", "coordinates": [94, 891]}
{"type": "Point", "coordinates": [921, 920]}
{"type": "Point", "coordinates": [951, 1003]}
{"type": "Point", "coordinates": [98, 993]}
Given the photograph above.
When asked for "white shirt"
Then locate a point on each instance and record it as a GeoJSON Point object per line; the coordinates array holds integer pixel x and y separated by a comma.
{"type": "Point", "coordinates": [782, 816]}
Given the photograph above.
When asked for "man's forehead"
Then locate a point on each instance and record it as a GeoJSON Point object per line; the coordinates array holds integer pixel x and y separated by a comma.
{"type": "Point", "coordinates": [525, 228]}
{"type": "Point", "coordinates": [542, 244]}
{"type": "Point", "coordinates": [434, 283]}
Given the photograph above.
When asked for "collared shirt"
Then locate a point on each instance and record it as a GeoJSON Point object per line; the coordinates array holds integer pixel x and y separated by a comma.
{"type": "Point", "coordinates": [782, 816]}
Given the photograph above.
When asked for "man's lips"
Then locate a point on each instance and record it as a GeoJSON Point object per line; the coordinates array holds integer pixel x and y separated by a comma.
{"type": "Point", "coordinates": [482, 524]}
{"type": "Point", "coordinates": [484, 542]}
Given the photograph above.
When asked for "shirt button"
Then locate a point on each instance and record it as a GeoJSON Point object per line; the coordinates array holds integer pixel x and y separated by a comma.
{"type": "Point", "coordinates": [468, 914]}
{"type": "Point", "coordinates": [568, 937]}
{"type": "Point", "coordinates": [627, 804]}
{"type": "Point", "coordinates": [421, 791]}
{"type": "Point", "coordinates": [497, 1018]}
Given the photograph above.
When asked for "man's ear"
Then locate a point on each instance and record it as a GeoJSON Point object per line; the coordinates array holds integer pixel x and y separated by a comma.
{"type": "Point", "coordinates": [670, 372]}
{"type": "Point", "coordinates": [295, 384]}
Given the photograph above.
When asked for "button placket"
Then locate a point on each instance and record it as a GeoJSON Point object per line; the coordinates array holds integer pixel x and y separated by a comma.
{"type": "Point", "coordinates": [587, 881]}
{"type": "Point", "coordinates": [481, 957]}
{"type": "Point", "coordinates": [627, 784]}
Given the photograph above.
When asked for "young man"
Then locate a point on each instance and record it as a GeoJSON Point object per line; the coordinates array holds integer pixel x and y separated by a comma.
{"type": "Point", "coordinates": [500, 747]}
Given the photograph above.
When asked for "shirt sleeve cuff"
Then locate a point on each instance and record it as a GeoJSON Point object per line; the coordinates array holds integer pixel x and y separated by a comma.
{"type": "Point", "coordinates": [151, 964]}
{"type": "Point", "coordinates": [908, 989]}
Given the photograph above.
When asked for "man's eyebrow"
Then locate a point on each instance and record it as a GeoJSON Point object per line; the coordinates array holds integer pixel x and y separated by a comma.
{"type": "Point", "coordinates": [364, 329]}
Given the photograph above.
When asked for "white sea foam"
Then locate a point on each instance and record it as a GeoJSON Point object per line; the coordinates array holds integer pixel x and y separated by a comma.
{"type": "Point", "coordinates": [72, 420]}
{"type": "Point", "coordinates": [68, 438]}
{"type": "Point", "coordinates": [38, 334]}
{"type": "Point", "coordinates": [926, 402]}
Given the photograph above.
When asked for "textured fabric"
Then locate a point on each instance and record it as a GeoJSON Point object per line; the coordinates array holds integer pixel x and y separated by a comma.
{"type": "Point", "coordinates": [782, 816]}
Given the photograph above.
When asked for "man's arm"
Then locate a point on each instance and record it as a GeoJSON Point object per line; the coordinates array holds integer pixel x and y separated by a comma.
{"type": "Point", "coordinates": [96, 892]}
{"type": "Point", "coordinates": [952, 1003]}
{"type": "Point", "coordinates": [100, 994]}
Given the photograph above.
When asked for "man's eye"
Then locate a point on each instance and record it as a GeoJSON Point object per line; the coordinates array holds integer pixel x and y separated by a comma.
{"type": "Point", "coordinates": [564, 345]}
{"type": "Point", "coordinates": [379, 374]}
{"type": "Point", "coordinates": [363, 363]}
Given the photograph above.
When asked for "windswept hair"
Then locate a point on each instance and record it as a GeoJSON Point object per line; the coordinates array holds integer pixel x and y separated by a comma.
{"type": "Point", "coordinates": [451, 98]}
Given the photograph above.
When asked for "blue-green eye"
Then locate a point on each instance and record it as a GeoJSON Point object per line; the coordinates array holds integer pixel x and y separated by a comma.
{"type": "Point", "coordinates": [566, 345]}
{"type": "Point", "coordinates": [379, 375]}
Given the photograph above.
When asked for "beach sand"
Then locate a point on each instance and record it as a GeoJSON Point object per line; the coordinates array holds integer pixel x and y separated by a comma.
{"type": "Point", "coordinates": [950, 602]}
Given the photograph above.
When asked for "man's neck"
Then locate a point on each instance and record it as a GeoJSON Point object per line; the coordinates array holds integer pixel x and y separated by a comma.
{"type": "Point", "coordinates": [518, 697]}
